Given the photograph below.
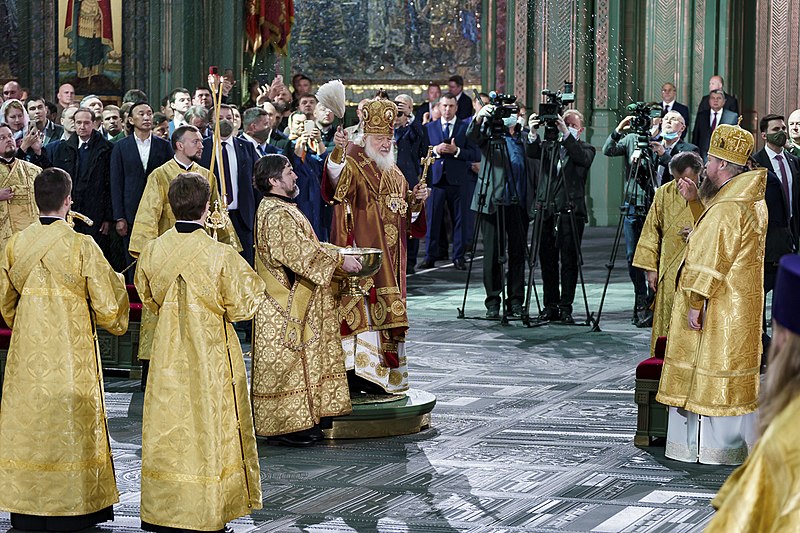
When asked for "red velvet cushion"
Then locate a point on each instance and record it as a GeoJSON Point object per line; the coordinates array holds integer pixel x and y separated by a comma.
{"type": "Point", "coordinates": [650, 368]}
{"type": "Point", "coordinates": [133, 296]}
{"type": "Point", "coordinates": [136, 313]}
{"type": "Point", "coordinates": [5, 338]}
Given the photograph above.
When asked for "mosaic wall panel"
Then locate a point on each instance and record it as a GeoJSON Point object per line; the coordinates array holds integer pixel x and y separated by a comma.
{"type": "Point", "coordinates": [383, 40]}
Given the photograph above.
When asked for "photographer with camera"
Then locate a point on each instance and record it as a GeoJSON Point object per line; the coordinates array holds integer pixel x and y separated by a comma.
{"type": "Point", "coordinates": [562, 221]}
{"type": "Point", "coordinates": [631, 138]}
{"type": "Point", "coordinates": [503, 197]}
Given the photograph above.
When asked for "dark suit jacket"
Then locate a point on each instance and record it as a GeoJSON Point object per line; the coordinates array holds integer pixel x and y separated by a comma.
{"type": "Point", "coordinates": [731, 104]}
{"type": "Point", "coordinates": [449, 169]}
{"type": "Point", "coordinates": [412, 146]}
{"type": "Point", "coordinates": [91, 189]}
{"type": "Point", "coordinates": [465, 109]}
{"type": "Point", "coordinates": [701, 136]}
{"type": "Point", "coordinates": [128, 178]}
{"type": "Point", "coordinates": [570, 190]}
{"type": "Point", "coordinates": [246, 158]}
{"type": "Point", "coordinates": [793, 163]}
{"type": "Point", "coordinates": [663, 161]}
{"type": "Point", "coordinates": [419, 112]}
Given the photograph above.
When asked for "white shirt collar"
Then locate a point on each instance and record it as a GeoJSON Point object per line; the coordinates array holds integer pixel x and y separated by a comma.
{"type": "Point", "coordinates": [81, 142]}
{"type": "Point", "coordinates": [772, 154]}
{"type": "Point", "coordinates": [146, 141]}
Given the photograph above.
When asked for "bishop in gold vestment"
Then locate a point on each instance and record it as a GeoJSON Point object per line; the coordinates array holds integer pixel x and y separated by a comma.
{"type": "Point", "coordinates": [19, 211]}
{"type": "Point", "coordinates": [55, 456]}
{"type": "Point", "coordinates": [154, 217]}
{"type": "Point", "coordinates": [712, 363]}
{"type": "Point", "coordinates": [199, 459]}
{"type": "Point", "coordinates": [298, 361]}
{"type": "Point", "coordinates": [375, 209]}
{"type": "Point", "coordinates": [662, 244]}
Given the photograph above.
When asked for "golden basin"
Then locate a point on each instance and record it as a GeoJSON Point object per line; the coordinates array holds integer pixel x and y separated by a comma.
{"type": "Point", "coordinates": [370, 259]}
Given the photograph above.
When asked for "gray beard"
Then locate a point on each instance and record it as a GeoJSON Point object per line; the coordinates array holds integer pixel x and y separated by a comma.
{"type": "Point", "coordinates": [384, 162]}
{"type": "Point", "coordinates": [707, 190]}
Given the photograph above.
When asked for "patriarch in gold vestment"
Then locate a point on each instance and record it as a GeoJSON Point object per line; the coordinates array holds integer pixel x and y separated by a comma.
{"type": "Point", "coordinates": [199, 458]}
{"type": "Point", "coordinates": [712, 362]}
{"type": "Point", "coordinates": [374, 209]}
{"type": "Point", "coordinates": [662, 245]}
{"type": "Point", "coordinates": [17, 206]}
{"type": "Point", "coordinates": [56, 288]}
{"type": "Point", "coordinates": [298, 362]}
{"type": "Point", "coordinates": [154, 215]}
{"type": "Point", "coordinates": [761, 496]}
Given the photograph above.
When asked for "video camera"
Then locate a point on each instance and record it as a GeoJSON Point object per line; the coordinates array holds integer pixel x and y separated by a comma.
{"type": "Point", "coordinates": [554, 107]}
{"type": "Point", "coordinates": [505, 105]}
{"type": "Point", "coordinates": [643, 115]}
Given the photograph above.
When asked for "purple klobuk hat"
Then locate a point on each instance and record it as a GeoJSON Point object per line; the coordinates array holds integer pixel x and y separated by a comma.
{"type": "Point", "coordinates": [785, 310]}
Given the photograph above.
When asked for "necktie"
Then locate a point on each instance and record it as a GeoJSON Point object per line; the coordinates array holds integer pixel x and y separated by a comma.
{"type": "Point", "coordinates": [714, 122]}
{"type": "Point", "coordinates": [784, 178]}
{"type": "Point", "coordinates": [446, 131]}
{"type": "Point", "coordinates": [261, 151]}
{"type": "Point", "coordinates": [227, 167]}
{"type": "Point", "coordinates": [83, 159]}
{"type": "Point", "coordinates": [666, 109]}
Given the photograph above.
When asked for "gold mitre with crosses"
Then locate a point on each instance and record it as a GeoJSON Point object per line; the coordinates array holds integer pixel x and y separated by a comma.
{"type": "Point", "coordinates": [731, 143]}
{"type": "Point", "coordinates": [377, 117]}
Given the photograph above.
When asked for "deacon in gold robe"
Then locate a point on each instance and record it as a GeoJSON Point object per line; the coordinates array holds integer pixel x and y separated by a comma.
{"type": "Point", "coordinates": [761, 495]}
{"type": "Point", "coordinates": [710, 377]}
{"type": "Point", "coordinates": [17, 206]}
{"type": "Point", "coordinates": [298, 362]}
{"type": "Point", "coordinates": [155, 216]}
{"type": "Point", "coordinates": [374, 209]}
{"type": "Point", "coordinates": [662, 244]}
{"type": "Point", "coordinates": [56, 288]}
{"type": "Point", "coordinates": [199, 458]}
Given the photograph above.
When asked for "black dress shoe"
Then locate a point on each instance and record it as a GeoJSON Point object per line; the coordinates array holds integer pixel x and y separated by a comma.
{"type": "Point", "coordinates": [493, 312]}
{"type": "Point", "coordinates": [566, 318]}
{"type": "Point", "coordinates": [426, 263]}
{"type": "Point", "coordinates": [460, 264]}
{"type": "Point", "coordinates": [290, 439]}
{"type": "Point", "coordinates": [548, 315]}
{"type": "Point", "coordinates": [516, 310]}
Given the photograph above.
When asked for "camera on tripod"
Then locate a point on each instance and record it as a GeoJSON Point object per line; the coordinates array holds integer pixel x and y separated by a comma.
{"type": "Point", "coordinates": [643, 115]}
{"type": "Point", "coordinates": [505, 105]}
{"type": "Point", "coordinates": [554, 107]}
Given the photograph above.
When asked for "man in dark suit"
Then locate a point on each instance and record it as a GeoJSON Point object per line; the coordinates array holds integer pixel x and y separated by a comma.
{"type": "Point", "coordinates": [559, 235]}
{"type": "Point", "coordinates": [668, 103]}
{"type": "Point", "coordinates": [238, 159]}
{"type": "Point", "coordinates": [86, 156]}
{"type": "Point", "coordinates": [453, 153]}
{"type": "Point", "coordinates": [715, 83]}
{"type": "Point", "coordinates": [785, 166]}
{"type": "Point", "coordinates": [411, 142]}
{"type": "Point", "coordinates": [434, 93]}
{"type": "Point", "coordinates": [455, 86]}
{"type": "Point", "coordinates": [670, 143]}
{"type": "Point", "coordinates": [133, 158]}
{"type": "Point", "coordinates": [706, 121]}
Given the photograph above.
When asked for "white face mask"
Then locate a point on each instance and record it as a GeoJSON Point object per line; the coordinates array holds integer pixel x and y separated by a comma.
{"type": "Point", "coordinates": [575, 133]}
{"type": "Point", "coordinates": [509, 121]}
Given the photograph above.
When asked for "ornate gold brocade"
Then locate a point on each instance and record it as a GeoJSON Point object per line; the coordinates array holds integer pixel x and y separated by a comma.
{"type": "Point", "coordinates": [715, 371]}
{"type": "Point", "coordinates": [199, 457]}
{"type": "Point", "coordinates": [55, 454]}
{"type": "Point", "coordinates": [20, 211]}
{"type": "Point", "coordinates": [298, 363]}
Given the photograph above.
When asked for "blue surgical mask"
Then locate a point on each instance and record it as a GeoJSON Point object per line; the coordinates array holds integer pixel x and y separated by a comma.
{"type": "Point", "coordinates": [669, 136]}
{"type": "Point", "coordinates": [509, 121]}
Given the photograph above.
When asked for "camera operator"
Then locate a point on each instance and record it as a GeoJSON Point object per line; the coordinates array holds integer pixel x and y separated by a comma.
{"type": "Point", "coordinates": [504, 211]}
{"type": "Point", "coordinates": [621, 142]}
{"type": "Point", "coordinates": [669, 143]}
{"type": "Point", "coordinates": [568, 195]}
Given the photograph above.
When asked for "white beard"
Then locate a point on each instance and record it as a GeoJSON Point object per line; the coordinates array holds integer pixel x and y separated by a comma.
{"type": "Point", "coordinates": [384, 162]}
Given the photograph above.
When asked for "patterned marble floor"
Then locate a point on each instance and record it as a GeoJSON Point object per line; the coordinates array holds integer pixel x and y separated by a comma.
{"type": "Point", "coordinates": [532, 432]}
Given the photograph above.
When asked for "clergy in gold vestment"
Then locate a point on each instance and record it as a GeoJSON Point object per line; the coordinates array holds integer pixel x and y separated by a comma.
{"type": "Point", "coordinates": [17, 206]}
{"type": "Point", "coordinates": [155, 216]}
{"type": "Point", "coordinates": [661, 246]}
{"type": "Point", "coordinates": [375, 209]}
{"type": "Point", "coordinates": [298, 362]}
{"type": "Point", "coordinates": [711, 367]}
{"type": "Point", "coordinates": [199, 458]}
{"type": "Point", "coordinates": [56, 470]}
{"type": "Point", "coordinates": [761, 496]}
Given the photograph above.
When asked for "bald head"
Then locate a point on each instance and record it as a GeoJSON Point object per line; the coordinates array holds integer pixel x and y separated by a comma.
{"type": "Point", "coordinates": [12, 90]}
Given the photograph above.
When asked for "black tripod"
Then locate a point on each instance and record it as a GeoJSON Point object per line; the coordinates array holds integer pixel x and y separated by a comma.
{"type": "Point", "coordinates": [498, 151]}
{"type": "Point", "coordinates": [640, 173]}
{"type": "Point", "coordinates": [545, 207]}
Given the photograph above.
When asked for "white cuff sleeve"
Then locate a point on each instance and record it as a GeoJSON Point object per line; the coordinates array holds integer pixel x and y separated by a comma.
{"type": "Point", "coordinates": [334, 171]}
